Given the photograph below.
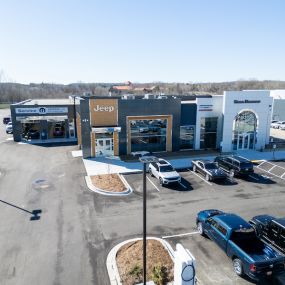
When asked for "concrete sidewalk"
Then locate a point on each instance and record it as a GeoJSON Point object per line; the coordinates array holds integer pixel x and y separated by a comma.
{"type": "Point", "coordinates": [105, 165]}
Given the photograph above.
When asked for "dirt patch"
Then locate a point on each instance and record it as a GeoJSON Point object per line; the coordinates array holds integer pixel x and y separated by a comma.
{"type": "Point", "coordinates": [108, 182]}
{"type": "Point", "coordinates": [129, 259]}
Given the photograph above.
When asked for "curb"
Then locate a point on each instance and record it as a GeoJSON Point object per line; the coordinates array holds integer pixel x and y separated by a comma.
{"type": "Point", "coordinates": [107, 193]}
{"type": "Point", "coordinates": [112, 264]}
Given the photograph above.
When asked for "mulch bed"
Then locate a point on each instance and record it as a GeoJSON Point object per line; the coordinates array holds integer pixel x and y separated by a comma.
{"type": "Point", "coordinates": [130, 263]}
{"type": "Point", "coordinates": [108, 182]}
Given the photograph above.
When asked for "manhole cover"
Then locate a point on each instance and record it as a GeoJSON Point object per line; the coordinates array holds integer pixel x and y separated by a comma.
{"type": "Point", "coordinates": [40, 184]}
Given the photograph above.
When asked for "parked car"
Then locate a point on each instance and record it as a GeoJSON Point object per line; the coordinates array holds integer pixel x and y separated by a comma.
{"type": "Point", "coordinates": [209, 169]}
{"type": "Point", "coordinates": [143, 129]}
{"type": "Point", "coordinates": [236, 237]}
{"type": "Point", "coordinates": [164, 172]}
{"type": "Point", "coordinates": [9, 128]}
{"type": "Point", "coordinates": [282, 127]}
{"type": "Point", "coordinates": [235, 165]}
{"type": "Point", "coordinates": [6, 120]}
{"type": "Point", "coordinates": [270, 230]}
{"type": "Point", "coordinates": [278, 125]}
{"type": "Point", "coordinates": [33, 134]}
{"type": "Point", "coordinates": [58, 132]}
{"type": "Point", "coordinates": [140, 153]}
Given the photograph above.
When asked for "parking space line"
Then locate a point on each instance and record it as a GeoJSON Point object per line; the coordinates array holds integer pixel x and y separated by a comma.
{"type": "Point", "coordinates": [253, 177]}
{"type": "Point", "coordinates": [183, 185]}
{"type": "Point", "coordinates": [280, 177]}
{"type": "Point", "coordinates": [153, 184]}
{"type": "Point", "coordinates": [271, 168]}
{"type": "Point", "coordinates": [181, 235]}
{"type": "Point", "coordinates": [201, 177]}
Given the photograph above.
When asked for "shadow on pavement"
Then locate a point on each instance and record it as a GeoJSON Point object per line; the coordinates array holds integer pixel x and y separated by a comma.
{"type": "Point", "coordinates": [35, 213]}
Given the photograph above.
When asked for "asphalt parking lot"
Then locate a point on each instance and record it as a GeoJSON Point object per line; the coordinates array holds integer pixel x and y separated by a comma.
{"type": "Point", "coordinates": [77, 228]}
{"type": "Point", "coordinates": [260, 193]}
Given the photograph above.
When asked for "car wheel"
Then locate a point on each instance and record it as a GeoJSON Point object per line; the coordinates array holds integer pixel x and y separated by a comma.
{"type": "Point", "coordinates": [150, 172]}
{"type": "Point", "coordinates": [194, 168]}
{"type": "Point", "coordinates": [200, 228]}
{"type": "Point", "coordinates": [208, 178]}
{"type": "Point", "coordinates": [232, 173]}
{"type": "Point", "coordinates": [237, 264]}
{"type": "Point", "coordinates": [160, 181]}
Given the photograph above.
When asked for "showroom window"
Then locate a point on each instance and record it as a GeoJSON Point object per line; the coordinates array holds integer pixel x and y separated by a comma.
{"type": "Point", "coordinates": [208, 132]}
{"type": "Point", "coordinates": [244, 133]}
{"type": "Point", "coordinates": [187, 134]}
{"type": "Point", "coordinates": [148, 135]}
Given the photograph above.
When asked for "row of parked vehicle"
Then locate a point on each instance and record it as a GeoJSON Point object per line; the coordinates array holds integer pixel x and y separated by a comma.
{"type": "Point", "coordinates": [256, 248]}
{"type": "Point", "coordinates": [278, 124]}
{"type": "Point", "coordinates": [219, 169]}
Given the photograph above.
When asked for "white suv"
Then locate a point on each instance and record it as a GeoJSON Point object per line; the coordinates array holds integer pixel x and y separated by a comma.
{"type": "Point", "coordinates": [163, 171]}
{"type": "Point", "coordinates": [9, 128]}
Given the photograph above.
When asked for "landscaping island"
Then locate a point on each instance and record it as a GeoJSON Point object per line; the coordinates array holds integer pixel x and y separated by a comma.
{"type": "Point", "coordinates": [108, 182]}
{"type": "Point", "coordinates": [129, 259]}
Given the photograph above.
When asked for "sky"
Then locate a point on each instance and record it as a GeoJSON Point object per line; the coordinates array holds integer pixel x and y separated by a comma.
{"type": "Point", "coordinates": [141, 41]}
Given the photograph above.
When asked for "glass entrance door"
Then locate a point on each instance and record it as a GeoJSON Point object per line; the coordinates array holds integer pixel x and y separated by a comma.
{"type": "Point", "coordinates": [244, 141]}
{"type": "Point", "coordinates": [104, 147]}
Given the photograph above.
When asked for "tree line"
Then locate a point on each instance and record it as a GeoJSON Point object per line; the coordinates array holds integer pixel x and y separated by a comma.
{"type": "Point", "coordinates": [15, 92]}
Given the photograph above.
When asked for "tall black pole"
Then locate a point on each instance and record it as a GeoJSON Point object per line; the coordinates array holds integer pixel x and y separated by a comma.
{"type": "Point", "coordinates": [144, 223]}
{"type": "Point", "coordinates": [74, 117]}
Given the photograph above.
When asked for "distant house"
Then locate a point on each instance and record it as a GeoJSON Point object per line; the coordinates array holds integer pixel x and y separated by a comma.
{"type": "Point", "coordinates": [128, 87]}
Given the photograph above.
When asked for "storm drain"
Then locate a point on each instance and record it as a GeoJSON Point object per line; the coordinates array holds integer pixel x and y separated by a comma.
{"type": "Point", "coordinates": [40, 184]}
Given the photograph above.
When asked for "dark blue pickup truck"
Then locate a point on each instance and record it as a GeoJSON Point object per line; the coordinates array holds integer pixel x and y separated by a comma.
{"type": "Point", "coordinates": [237, 238]}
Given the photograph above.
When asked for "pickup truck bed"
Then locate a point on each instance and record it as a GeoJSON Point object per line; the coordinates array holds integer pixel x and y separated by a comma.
{"type": "Point", "coordinates": [238, 240]}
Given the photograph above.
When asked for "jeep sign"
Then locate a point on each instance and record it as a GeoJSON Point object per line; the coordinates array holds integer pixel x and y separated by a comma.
{"type": "Point", "coordinates": [99, 108]}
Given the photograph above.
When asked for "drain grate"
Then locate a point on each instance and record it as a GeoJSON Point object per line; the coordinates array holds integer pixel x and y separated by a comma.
{"type": "Point", "coordinates": [40, 184]}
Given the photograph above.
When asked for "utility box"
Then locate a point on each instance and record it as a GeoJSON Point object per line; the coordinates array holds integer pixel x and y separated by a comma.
{"type": "Point", "coordinates": [184, 266]}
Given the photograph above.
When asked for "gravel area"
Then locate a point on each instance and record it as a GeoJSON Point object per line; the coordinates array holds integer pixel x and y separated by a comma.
{"type": "Point", "coordinates": [130, 263]}
{"type": "Point", "coordinates": [108, 182]}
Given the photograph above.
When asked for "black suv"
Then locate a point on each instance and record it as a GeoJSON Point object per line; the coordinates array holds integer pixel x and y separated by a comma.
{"type": "Point", "coordinates": [6, 120]}
{"type": "Point", "coordinates": [270, 230]}
{"type": "Point", "coordinates": [235, 165]}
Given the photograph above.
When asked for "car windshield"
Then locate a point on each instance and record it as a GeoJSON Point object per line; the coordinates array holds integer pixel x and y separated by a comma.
{"type": "Point", "coordinates": [211, 166]}
{"type": "Point", "coordinates": [246, 164]}
{"type": "Point", "coordinates": [166, 168]}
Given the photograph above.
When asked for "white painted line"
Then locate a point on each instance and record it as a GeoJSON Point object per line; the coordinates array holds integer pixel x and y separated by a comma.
{"type": "Point", "coordinates": [280, 177]}
{"type": "Point", "coordinates": [181, 235]}
{"type": "Point", "coordinates": [253, 177]}
{"type": "Point", "coordinates": [183, 185]}
{"type": "Point", "coordinates": [201, 177]}
{"type": "Point", "coordinates": [153, 184]}
{"type": "Point", "coordinates": [271, 168]}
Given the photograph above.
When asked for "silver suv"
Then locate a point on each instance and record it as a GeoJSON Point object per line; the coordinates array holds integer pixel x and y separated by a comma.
{"type": "Point", "coordinates": [164, 171]}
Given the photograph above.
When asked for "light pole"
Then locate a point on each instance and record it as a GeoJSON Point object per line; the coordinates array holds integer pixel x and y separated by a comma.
{"type": "Point", "coordinates": [145, 160]}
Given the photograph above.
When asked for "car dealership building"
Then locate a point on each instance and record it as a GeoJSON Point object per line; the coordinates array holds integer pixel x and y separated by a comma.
{"type": "Point", "coordinates": [120, 125]}
{"type": "Point", "coordinates": [44, 120]}
{"type": "Point", "coordinates": [237, 120]}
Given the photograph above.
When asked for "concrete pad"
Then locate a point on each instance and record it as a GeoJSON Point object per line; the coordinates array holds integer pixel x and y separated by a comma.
{"type": "Point", "coordinates": [76, 153]}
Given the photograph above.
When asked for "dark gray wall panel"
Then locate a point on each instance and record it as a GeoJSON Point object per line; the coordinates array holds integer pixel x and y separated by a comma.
{"type": "Point", "coordinates": [85, 128]}
{"type": "Point", "coordinates": [188, 114]}
{"type": "Point", "coordinates": [148, 107]}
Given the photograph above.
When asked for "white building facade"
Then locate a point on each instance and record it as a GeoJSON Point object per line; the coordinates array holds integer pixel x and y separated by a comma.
{"type": "Point", "coordinates": [246, 120]}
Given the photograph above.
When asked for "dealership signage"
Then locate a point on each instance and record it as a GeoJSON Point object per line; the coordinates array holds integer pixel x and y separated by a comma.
{"type": "Point", "coordinates": [42, 110]}
{"type": "Point", "coordinates": [246, 101]}
{"type": "Point", "coordinates": [99, 108]}
{"type": "Point", "coordinates": [205, 107]}
{"type": "Point", "coordinates": [106, 130]}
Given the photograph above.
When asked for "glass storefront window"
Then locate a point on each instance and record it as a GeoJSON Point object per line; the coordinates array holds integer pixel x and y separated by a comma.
{"type": "Point", "coordinates": [208, 132]}
{"type": "Point", "coordinates": [187, 134]}
{"type": "Point", "coordinates": [244, 133]}
{"type": "Point", "coordinates": [148, 135]}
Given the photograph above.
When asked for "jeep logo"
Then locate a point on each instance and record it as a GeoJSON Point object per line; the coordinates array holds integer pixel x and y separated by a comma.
{"type": "Point", "coordinates": [99, 108]}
